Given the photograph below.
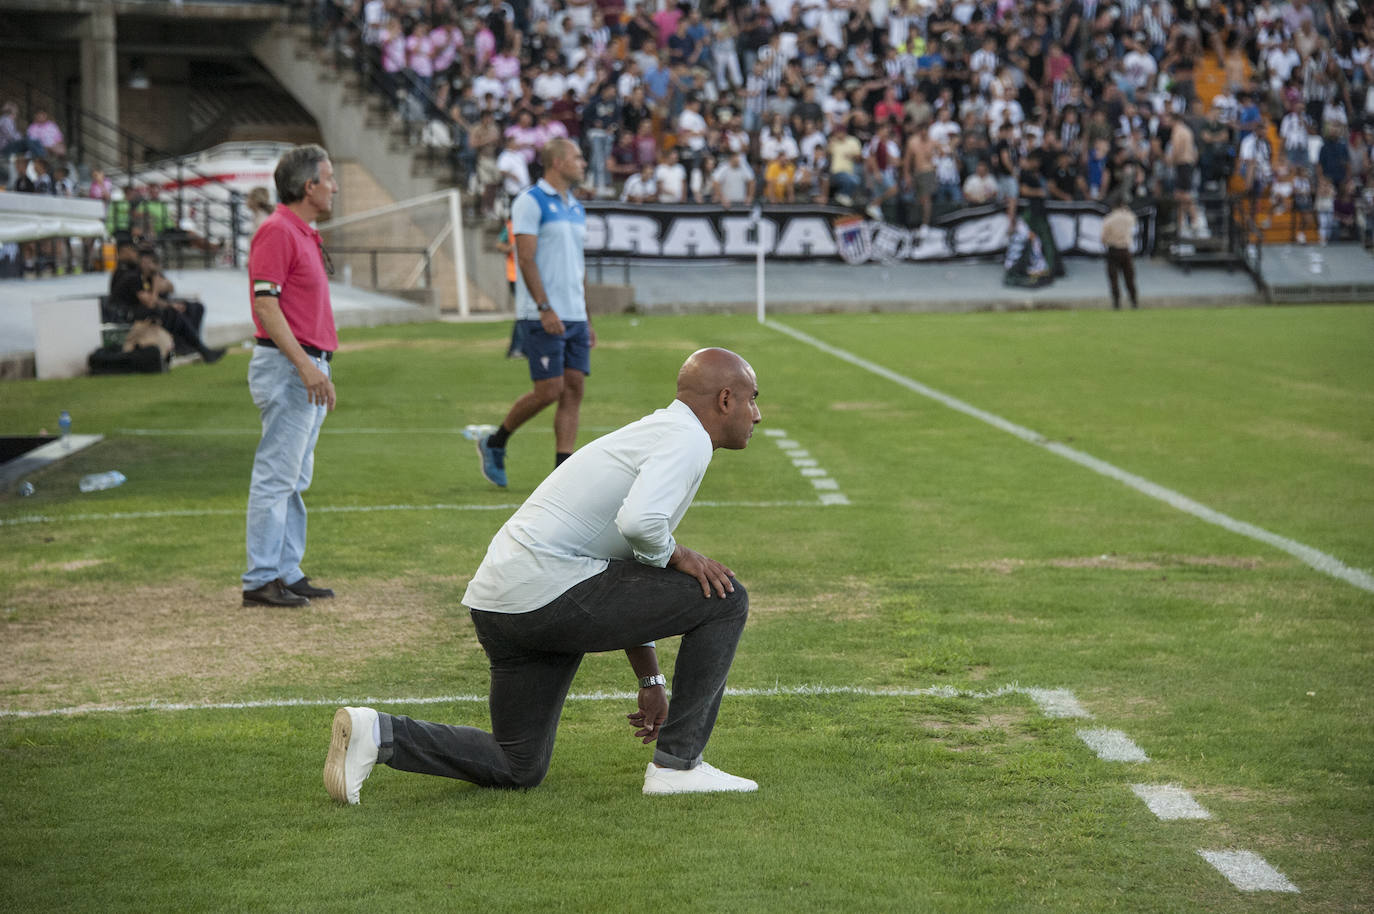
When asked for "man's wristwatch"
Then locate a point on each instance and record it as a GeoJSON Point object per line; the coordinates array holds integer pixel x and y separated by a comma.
{"type": "Point", "coordinates": [543, 306]}
{"type": "Point", "coordinates": [648, 682]}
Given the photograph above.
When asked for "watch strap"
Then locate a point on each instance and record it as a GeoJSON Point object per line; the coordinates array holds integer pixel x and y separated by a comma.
{"type": "Point", "coordinates": [648, 682]}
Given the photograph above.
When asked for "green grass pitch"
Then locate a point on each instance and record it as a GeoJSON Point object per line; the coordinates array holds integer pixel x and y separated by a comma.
{"type": "Point", "coordinates": [965, 558]}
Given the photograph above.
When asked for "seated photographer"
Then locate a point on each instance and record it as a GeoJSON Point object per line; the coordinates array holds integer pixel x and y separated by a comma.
{"type": "Point", "coordinates": [140, 291]}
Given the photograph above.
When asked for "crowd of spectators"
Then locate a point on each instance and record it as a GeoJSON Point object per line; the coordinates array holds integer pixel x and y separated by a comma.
{"type": "Point", "coordinates": [905, 108]}
{"type": "Point", "coordinates": [34, 159]}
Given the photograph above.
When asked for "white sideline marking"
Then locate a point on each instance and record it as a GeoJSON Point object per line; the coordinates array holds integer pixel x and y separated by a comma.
{"type": "Point", "coordinates": [801, 690]}
{"type": "Point", "coordinates": [1057, 703]}
{"type": "Point", "coordinates": [828, 489]}
{"type": "Point", "coordinates": [1248, 871]}
{"type": "Point", "coordinates": [1327, 564]}
{"type": "Point", "coordinates": [340, 509]}
{"type": "Point", "coordinates": [1169, 801]}
{"type": "Point", "coordinates": [332, 430]}
{"type": "Point", "coordinates": [1113, 746]}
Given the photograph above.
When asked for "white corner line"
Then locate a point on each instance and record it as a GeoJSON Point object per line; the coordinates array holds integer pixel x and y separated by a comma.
{"type": "Point", "coordinates": [780, 690]}
{"type": "Point", "coordinates": [1327, 564]}
{"type": "Point", "coordinates": [1248, 871]}
{"type": "Point", "coordinates": [1169, 801]}
{"type": "Point", "coordinates": [1113, 746]}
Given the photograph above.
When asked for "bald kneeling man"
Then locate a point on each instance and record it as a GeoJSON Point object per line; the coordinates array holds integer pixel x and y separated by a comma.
{"type": "Point", "coordinates": [587, 564]}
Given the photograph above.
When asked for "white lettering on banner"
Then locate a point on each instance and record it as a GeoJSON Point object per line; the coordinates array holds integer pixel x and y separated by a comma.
{"type": "Point", "coordinates": [1090, 233]}
{"type": "Point", "coordinates": [632, 234]}
{"type": "Point", "coordinates": [987, 235]}
{"type": "Point", "coordinates": [1064, 228]}
{"type": "Point", "coordinates": [737, 241]}
{"type": "Point", "coordinates": [596, 232]}
{"type": "Point", "coordinates": [794, 233]}
{"type": "Point", "coordinates": [807, 237]}
{"type": "Point", "coordinates": [934, 245]}
{"type": "Point", "coordinates": [691, 237]}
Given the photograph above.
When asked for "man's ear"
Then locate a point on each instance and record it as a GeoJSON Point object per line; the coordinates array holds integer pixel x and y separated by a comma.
{"type": "Point", "coordinates": [723, 400]}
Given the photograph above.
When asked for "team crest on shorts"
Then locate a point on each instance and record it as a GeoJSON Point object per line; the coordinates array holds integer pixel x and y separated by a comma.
{"type": "Point", "coordinates": [851, 237]}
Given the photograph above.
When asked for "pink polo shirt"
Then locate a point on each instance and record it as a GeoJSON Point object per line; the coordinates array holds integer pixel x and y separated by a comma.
{"type": "Point", "coordinates": [286, 252]}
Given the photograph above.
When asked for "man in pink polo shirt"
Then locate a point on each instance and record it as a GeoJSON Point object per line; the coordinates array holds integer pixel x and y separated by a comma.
{"type": "Point", "coordinates": [289, 375]}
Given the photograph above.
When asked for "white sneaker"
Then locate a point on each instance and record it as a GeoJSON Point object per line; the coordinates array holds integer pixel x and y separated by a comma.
{"type": "Point", "coordinates": [703, 778]}
{"type": "Point", "coordinates": [352, 753]}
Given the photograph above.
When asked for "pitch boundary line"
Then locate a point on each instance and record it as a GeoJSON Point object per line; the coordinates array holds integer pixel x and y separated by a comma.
{"type": "Point", "coordinates": [1052, 702]}
{"type": "Point", "coordinates": [342, 430]}
{"type": "Point", "coordinates": [342, 509]}
{"type": "Point", "coordinates": [1245, 870]}
{"type": "Point", "coordinates": [1327, 564]}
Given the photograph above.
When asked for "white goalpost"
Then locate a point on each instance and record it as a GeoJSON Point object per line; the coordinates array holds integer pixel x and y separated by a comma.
{"type": "Point", "coordinates": [411, 246]}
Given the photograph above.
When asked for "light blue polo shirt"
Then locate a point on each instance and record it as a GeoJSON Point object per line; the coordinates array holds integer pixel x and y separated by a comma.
{"type": "Point", "coordinates": [560, 225]}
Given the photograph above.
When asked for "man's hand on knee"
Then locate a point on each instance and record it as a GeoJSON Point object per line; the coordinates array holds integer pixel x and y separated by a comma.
{"type": "Point", "coordinates": [711, 574]}
{"type": "Point", "coordinates": [653, 711]}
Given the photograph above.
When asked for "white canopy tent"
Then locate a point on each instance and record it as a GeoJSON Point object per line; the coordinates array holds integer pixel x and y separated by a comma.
{"type": "Point", "coordinates": [30, 217]}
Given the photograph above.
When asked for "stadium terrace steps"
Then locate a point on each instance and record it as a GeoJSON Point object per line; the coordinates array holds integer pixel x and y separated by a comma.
{"type": "Point", "coordinates": [350, 123]}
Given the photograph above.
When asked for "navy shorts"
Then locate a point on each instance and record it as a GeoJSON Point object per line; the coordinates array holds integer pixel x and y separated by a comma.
{"type": "Point", "coordinates": [550, 356]}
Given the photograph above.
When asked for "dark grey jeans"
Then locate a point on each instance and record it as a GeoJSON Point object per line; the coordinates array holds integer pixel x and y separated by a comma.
{"type": "Point", "coordinates": [534, 656]}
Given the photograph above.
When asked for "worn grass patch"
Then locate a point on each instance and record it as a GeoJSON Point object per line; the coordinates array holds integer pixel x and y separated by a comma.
{"type": "Point", "coordinates": [81, 646]}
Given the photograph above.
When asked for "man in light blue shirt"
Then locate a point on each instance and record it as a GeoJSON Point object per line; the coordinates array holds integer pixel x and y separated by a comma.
{"type": "Point", "coordinates": [589, 563]}
{"type": "Point", "coordinates": [554, 333]}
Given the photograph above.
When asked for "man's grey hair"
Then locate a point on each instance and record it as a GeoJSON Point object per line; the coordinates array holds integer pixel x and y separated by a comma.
{"type": "Point", "coordinates": [295, 168]}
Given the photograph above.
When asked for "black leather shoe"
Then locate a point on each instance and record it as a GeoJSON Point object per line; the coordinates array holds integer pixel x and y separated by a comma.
{"type": "Point", "coordinates": [303, 588]}
{"type": "Point", "coordinates": [273, 594]}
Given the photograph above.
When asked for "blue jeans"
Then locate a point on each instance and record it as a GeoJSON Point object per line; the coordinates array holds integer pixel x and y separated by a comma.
{"type": "Point", "coordinates": [282, 468]}
{"type": "Point", "coordinates": [534, 656]}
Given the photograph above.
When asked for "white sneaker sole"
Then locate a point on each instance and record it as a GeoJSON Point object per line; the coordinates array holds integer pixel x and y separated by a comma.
{"type": "Point", "coordinates": [335, 778]}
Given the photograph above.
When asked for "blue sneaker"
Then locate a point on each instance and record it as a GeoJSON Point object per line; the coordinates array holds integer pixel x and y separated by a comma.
{"type": "Point", "coordinates": [493, 461]}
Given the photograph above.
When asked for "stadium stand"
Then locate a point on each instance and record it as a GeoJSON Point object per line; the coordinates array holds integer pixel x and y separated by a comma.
{"type": "Point", "coordinates": [1089, 82]}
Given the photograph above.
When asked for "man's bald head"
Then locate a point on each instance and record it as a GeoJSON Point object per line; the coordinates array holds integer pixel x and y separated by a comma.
{"type": "Point", "coordinates": [706, 371]}
{"type": "Point", "coordinates": [720, 387]}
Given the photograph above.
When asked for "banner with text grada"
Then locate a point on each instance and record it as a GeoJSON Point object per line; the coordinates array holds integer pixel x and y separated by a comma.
{"type": "Point", "coordinates": [810, 232]}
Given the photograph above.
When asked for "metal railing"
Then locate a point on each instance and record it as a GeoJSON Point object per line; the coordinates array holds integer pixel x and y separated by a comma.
{"type": "Point", "coordinates": [94, 141]}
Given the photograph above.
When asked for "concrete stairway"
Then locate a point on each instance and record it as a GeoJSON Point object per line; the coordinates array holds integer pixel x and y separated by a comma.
{"type": "Point", "coordinates": [354, 125]}
{"type": "Point", "coordinates": [363, 134]}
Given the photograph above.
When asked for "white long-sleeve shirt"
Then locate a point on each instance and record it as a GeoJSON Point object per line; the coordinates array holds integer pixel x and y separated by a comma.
{"type": "Point", "coordinates": [620, 497]}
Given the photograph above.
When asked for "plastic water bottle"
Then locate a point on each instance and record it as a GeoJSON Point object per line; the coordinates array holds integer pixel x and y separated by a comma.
{"type": "Point", "coordinates": [98, 482]}
{"type": "Point", "coordinates": [64, 428]}
{"type": "Point", "coordinates": [25, 489]}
